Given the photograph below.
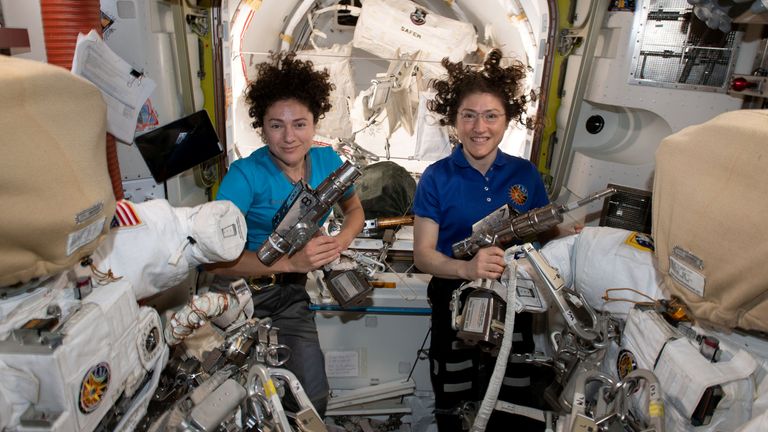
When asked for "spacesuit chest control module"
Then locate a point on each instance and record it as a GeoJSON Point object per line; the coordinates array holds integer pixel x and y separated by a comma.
{"type": "Point", "coordinates": [299, 217]}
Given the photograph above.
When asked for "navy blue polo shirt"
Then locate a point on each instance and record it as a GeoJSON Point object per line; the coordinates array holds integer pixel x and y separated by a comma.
{"type": "Point", "coordinates": [455, 195]}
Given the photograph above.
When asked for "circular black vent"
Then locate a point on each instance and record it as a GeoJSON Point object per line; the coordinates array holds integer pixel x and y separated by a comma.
{"type": "Point", "coordinates": [595, 124]}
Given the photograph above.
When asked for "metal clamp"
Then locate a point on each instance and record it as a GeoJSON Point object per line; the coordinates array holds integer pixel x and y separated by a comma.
{"type": "Point", "coordinates": [627, 386]}
{"type": "Point", "coordinates": [582, 420]}
{"type": "Point", "coordinates": [370, 266]}
{"type": "Point", "coordinates": [559, 292]}
{"type": "Point", "coordinates": [456, 305]}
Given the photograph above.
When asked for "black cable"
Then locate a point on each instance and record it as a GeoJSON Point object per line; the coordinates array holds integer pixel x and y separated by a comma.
{"type": "Point", "coordinates": [418, 354]}
{"type": "Point", "coordinates": [197, 280]}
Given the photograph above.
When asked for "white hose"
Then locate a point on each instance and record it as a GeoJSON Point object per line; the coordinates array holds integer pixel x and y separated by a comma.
{"type": "Point", "coordinates": [492, 394]}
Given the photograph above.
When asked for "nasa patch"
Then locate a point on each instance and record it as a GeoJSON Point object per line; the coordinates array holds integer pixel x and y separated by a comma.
{"type": "Point", "coordinates": [419, 16]}
{"type": "Point", "coordinates": [518, 194]}
{"type": "Point", "coordinates": [94, 387]}
{"type": "Point", "coordinates": [625, 363]}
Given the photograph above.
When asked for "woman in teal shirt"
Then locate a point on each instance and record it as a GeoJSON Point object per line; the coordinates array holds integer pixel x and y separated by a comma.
{"type": "Point", "coordinates": [286, 101]}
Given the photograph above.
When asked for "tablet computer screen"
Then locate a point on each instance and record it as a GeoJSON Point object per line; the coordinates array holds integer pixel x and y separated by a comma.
{"type": "Point", "coordinates": [178, 146]}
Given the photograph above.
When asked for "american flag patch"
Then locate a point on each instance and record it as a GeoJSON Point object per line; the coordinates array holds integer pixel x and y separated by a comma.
{"type": "Point", "coordinates": [125, 215]}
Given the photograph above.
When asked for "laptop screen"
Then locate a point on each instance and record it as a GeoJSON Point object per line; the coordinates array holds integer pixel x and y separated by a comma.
{"type": "Point", "coordinates": [178, 146]}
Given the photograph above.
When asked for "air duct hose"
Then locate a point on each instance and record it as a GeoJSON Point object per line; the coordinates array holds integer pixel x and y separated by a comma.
{"type": "Point", "coordinates": [62, 21]}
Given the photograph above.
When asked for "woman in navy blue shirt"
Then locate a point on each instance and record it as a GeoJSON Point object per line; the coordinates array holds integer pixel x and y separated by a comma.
{"type": "Point", "coordinates": [454, 193]}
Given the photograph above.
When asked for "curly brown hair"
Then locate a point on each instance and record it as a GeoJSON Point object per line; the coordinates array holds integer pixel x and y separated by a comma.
{"type": "Point", "coordinates": [288, 78]}
{"type": "Point", "coordinates": [502, 82]}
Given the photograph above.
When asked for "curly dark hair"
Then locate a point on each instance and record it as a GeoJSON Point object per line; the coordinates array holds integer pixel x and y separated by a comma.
{"type": "Point", "coordinates": [288, 78]}
{"type": "Point", "coordinates": [503, 82]}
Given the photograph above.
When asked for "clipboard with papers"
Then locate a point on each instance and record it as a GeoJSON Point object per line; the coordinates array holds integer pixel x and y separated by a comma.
{"type": "Point", "coordinates": [124, 89]}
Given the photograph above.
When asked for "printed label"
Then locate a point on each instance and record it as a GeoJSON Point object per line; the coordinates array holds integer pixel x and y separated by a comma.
{"type": "Point", "coordinates": [493, 219]}
{"type": "Point", "coordinates": [653, 392]}
{"type": "Point", "coordinates": [347, 286]}
{"type": "Point", "coordinates": [83, 236]}
{"type": "Point", "coordinates": [342, 364]}
{"type": "Point", "coordinates": [528, 295]}
{"type": "Point", "coordinates": [474, 314]}
{"type": "Point", "coordinates": [686, 276]}
{"type": "Point", "coordinates": [579, 400]}
{"type": "Point", "coordinates": [89, 213]}
{"type": "Point", "coordinates": [229, 231]}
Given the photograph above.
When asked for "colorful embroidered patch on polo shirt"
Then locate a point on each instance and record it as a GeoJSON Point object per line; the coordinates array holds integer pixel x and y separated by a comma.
{"type": "Point", "coordinates": [518, 194]}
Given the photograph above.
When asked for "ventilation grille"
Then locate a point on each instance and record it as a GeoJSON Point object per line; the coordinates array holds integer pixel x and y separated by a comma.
{"type": "Point", "coordinates": [628, 208]}
{"type": "Point", "coordinates": [675, 49]}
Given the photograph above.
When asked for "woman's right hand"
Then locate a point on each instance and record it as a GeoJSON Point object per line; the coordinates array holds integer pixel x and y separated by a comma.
{"type": "Point", "coordinates": [488, 263]}
{"type": "Point", "coordinates": [318, 252]}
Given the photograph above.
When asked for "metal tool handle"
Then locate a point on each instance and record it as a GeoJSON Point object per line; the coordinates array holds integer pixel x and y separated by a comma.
{"type": "Point", "coordinates": [522, 226]}
{"type": "Point", "coordinates": [301, 217]}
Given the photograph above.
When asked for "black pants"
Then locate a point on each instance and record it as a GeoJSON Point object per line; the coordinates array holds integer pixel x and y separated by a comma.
{"type": "Point", "coordinates": [461, 373]}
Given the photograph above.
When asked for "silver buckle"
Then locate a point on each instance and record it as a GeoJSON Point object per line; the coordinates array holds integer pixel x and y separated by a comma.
{"type": "Point", "coordinates": [253, 282]}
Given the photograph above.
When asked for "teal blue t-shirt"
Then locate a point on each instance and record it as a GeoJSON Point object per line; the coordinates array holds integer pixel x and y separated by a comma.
{"type": "Point", "coordinates": [258, 187]}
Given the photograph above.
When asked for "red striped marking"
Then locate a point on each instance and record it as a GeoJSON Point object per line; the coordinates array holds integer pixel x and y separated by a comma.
{"type": "Point", "coordinates": [126, 215]}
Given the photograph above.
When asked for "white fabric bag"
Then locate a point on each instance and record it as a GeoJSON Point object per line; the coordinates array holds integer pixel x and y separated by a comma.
{"type": "Point", "coordinates": [335, 59]}
{"type": "Point", "coordinates": [432, 141]}
{"type": "Point", "coordinates": [386, 25]}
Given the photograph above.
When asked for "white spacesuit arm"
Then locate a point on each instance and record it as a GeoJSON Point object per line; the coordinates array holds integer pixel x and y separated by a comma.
{"type": "Point", "coordinates": [155, 245]}
{"type": "Point", "coordinates": [216, 233]}
{"type": "Point", "coordinates": [600, 258]}
{"type": "Point", "coordinates": [757, 424]}
{"type": "Point", "coordinates": [759, 421]}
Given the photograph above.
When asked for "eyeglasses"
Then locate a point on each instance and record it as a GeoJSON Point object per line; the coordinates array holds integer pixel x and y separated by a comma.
{"type": "Point", "coordinates": [488, 117]}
